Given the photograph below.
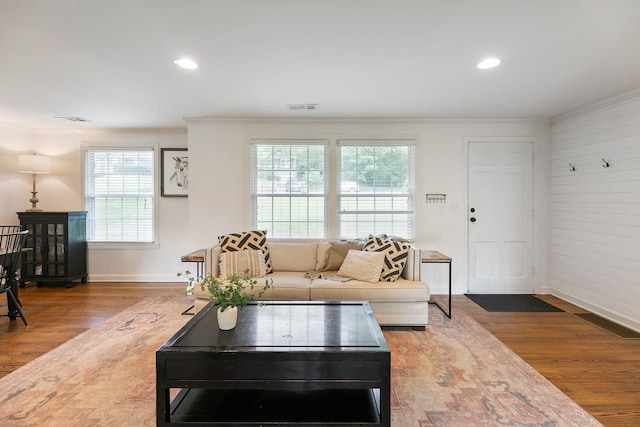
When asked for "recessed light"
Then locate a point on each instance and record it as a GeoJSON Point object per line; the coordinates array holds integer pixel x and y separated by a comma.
{"type": "Point", "coordinates": [186, 63]}
{"type": "Point", "coordinates": [487, 63]}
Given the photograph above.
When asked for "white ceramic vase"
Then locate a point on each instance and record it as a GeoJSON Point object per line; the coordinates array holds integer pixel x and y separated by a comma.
{"type": "Point", "coordinates": [227, 319]}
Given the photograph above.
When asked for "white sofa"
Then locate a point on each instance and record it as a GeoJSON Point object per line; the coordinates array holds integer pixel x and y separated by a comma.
{"type": "Point", "coordinates": [300, 272]}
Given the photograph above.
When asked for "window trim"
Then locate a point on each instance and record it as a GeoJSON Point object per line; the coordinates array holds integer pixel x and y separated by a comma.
{"type": "Point", "coordinates": [120, 245]}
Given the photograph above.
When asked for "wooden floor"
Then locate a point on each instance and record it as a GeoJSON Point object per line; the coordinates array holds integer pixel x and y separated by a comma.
{"type": "Point", "coordinates": [596, 369]}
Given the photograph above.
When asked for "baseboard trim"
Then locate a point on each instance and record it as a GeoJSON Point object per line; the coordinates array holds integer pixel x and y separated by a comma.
{"type": "Point", "coordinates": [597, 309]}
{"type": "Point", "coordinates": [133, 278]}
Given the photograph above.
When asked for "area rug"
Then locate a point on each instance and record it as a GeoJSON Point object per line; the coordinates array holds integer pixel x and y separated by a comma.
{"type": "Point", "coordinates": [454, 373]}
{"type": "Point", "coordinates": [512, 303]}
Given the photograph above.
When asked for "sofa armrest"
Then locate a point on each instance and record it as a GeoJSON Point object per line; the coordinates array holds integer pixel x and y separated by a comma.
{"type": "Point", "coordinates": [212, 261]}
{"type": "Point", "coordinates": [414, 262]}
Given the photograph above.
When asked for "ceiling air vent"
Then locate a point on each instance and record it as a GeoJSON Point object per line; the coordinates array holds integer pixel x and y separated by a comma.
{"type": "Point", "coordinates": [74, 119]}
{"type": "Point", "coordinates": [302, 107]}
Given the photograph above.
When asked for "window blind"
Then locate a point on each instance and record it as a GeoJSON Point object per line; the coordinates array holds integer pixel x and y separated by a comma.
{"type": "Point", "coordinates": [120, 195]}
{"type": "Point", "coordinates": [289, 188]}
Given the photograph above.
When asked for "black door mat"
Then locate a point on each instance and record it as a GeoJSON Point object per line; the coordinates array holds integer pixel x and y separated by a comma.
{"type": "Point", "coordinates": [609, 326]}
{"type": "Point", "coordinates": [512, 303]}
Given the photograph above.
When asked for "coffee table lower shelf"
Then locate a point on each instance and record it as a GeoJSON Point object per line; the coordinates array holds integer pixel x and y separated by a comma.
{"type": "Point", "coordinates": [249, 407]}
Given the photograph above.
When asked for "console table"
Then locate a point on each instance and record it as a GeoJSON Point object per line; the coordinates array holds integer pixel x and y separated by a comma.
{"type": "Point", "coordinates": [435, 257]}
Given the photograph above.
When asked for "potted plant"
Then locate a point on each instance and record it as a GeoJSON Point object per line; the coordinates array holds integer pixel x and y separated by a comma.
{"type": "Point", "coordinates": [230, 294]}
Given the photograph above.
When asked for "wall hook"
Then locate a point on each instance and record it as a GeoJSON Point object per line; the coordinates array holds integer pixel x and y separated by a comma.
{"type": "Point", "coordinates": [436, 198]}
{"type": "Point", "coordinates": [605, 164]}
{"type": "Point", "coordinates": [572, 168]}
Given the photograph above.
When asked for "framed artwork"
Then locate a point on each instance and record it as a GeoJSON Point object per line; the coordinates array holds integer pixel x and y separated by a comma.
{"type": "Point", "coordinates": [174, 172]}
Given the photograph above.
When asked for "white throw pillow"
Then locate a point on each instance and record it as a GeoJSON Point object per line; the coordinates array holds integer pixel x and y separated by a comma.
{"type": "Point", "coordinates": [360, 265]}
{"type": "Point", "coordinates": [239, 261]}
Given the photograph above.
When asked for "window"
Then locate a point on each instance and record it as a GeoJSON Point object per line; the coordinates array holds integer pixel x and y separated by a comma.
{"type": "Point", "coordinates": [119, 195]}
{"type": "Point", "coordinates": [375, 188]}
{"type": "Point", "coordinates": [370, 188]}
{"type": "Point", "coordinates": [289, 188]}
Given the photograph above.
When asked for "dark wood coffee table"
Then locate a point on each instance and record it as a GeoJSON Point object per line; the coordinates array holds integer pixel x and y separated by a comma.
{"type": "Point", "coordinates": [285, 363]}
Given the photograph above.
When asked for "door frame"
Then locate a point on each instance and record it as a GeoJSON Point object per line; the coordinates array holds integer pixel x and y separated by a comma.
{"type": "Point", "coordinates": [536, 202]}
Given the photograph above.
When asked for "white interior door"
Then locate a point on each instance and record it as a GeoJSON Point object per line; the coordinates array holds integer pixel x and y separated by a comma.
{"type": "Point", "coordinates": [500, 214]}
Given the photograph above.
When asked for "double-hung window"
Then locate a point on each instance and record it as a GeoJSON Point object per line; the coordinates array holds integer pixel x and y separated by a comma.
{"type": "Point", "coordinates": [120, 194]}
{"type": "Point", "coordinates": [365, 185]}
{"type": "Point", "coordinates": [289, 188]}
{"type": "Point", "coordinates": [375, 188]}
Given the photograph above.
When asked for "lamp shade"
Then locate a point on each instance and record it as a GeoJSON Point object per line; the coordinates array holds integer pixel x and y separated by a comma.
{"type": "Point", "coordinates": [33, 163]}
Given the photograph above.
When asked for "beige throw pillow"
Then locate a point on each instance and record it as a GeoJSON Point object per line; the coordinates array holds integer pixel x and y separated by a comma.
{"type": "Point", "coordinates": [338, 251]}
{"type": "Point", "coordinates": [239, 261]}
{"type": "Point", "coordinates": [360, 265]}
{"type": "Point", "coordinates": [293, 256]}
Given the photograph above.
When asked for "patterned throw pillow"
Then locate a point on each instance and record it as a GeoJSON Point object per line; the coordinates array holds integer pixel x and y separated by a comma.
{"type": "Point", "coordinates": [238, 262]}
{"type": "Point", "coordinates": [395, 255]}
{"type": "Point", "coordinates": [360, 265]}
{"type": "Point", "coordinates": [247, 240]}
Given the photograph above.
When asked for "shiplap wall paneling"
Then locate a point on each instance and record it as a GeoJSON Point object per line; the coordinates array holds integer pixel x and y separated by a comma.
{"type": "Point", "coordinates": [594, 235]}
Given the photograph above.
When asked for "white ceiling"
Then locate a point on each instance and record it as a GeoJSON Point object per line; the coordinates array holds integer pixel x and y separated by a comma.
{"type": "Point", "coordinates": [111, 61]}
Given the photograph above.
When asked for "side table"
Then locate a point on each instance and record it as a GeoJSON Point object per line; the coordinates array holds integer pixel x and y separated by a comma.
{"type": "Point", "coordinates": [196, 256]}
{"type": "Point", "coordinates": [435, 257]}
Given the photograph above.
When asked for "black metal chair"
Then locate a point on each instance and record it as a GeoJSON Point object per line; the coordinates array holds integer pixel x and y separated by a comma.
{"type": "Point", "coordinates": [10, 250]}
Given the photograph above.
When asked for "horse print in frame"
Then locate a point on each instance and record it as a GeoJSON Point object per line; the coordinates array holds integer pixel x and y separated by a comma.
{"type": "Point", "coordinates": [174, 172]}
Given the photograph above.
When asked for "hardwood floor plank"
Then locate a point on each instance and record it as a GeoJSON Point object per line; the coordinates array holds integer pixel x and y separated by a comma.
{"type": "Point", "coordinates": [598, 370]}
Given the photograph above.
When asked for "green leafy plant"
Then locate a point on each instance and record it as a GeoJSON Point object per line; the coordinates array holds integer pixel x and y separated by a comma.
{"type": "Point", "coordinates": [234, 291]}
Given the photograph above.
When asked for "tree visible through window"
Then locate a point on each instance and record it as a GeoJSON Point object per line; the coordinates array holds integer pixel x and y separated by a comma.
{"type": "Point", "coordinates": [289, 188]}
{"type": "Point", "coordinates": [119, 195]}
{"type": "Point", "coordinates": [375, 188]}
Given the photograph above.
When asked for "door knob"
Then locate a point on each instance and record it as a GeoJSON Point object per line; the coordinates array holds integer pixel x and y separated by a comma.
{"type": "Point", "coordinates": [473, 210]}
{"type": "Point", "coordinates": [472, 219]}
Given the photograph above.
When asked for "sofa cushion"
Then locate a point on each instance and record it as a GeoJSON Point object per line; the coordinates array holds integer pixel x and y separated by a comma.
{"type": "Point", "coordinates": [256, 239]}
{"type": "Point", "coordinates": [239, 262]}
{"type": "Point", "coordinates": [362, 265]}
{"type": "Point", "coordinates": [338, 251]}
{"type": "Point", "coordinates": [293, 256]}
{"type": "Point", "coordinates": [286, 286]}
{"type": "Point", "coordinates": [401, 290]}
{"type": "Point", "coordinates": [395, 255]}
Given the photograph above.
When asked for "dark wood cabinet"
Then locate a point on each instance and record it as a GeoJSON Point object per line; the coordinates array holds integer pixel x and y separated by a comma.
{"type": "Point", "coordinates": [59, 247]}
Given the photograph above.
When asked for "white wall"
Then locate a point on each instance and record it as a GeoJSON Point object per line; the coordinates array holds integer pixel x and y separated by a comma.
{"type": "Point", "coordinates": [15, 188]}
{"type": "Point", "coordinates": [62, 191]}
{"type": "Point", "coordinates": [219, 188]}
{"type": "Point", "coordinates": [594, 238]}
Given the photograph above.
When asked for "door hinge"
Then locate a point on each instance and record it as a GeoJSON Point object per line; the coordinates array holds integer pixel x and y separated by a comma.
{"type": "Point", "coordinates": [533, 158]}
{"type": "Point", "coordinates": [533, 271]}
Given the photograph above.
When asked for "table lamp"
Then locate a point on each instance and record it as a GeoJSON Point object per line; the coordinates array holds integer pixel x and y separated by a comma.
{"type": "Point", "coordinates": [34, 164]}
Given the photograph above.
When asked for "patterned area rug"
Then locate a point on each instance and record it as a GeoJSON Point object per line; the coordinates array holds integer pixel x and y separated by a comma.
{"type": "Point", "coordinates": [453, 374]}
{"type": "Point", "coordinates": [457, 374]}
